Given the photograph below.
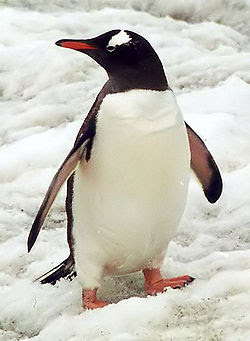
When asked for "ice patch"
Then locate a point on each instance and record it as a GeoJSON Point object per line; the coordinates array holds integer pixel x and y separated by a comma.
{"type": "Point", "coordinates": [119, 39]}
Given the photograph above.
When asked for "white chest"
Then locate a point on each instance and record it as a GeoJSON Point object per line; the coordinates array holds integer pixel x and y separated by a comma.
{"type": "Point", "coordinates": [140, 143]}
{"type": "Point", "coordinates": [133, 190]}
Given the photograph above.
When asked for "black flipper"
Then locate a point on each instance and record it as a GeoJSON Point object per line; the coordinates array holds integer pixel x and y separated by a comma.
{"type": "Point", "coordinates": [82, 144]}
{"type": "Point", "coordinates": [204, 167]}
{"type": "Point", "coordinates": [61, 175]}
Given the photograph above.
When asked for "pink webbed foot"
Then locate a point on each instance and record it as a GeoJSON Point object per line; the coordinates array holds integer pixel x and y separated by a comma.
{"type": "Point", "coordinates": [89, 300]}
{"type": "Point", "coordinates": [155, 283]}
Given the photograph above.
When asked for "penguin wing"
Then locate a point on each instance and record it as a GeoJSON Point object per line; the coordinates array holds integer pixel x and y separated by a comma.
{"type": "Point", "coordinates": [204, 166]}
{"type": "Point", "coordinates": [83, 142]}
{"type": "Point", "coordinates": [60, 177]}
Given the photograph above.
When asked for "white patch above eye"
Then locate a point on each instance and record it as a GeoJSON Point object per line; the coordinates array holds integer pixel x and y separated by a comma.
{"type": "Point", "coordinates": [120, 38]}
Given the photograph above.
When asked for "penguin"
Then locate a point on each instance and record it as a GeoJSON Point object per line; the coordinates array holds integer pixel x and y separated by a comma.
{"type": "Point", "coordinates": [127, 172]}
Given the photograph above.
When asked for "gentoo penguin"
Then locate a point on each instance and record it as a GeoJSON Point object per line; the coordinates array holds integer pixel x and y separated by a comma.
{"type": "Point", "coordinates": [127, 172]}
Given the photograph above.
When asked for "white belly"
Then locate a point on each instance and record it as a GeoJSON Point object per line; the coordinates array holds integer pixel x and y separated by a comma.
{"type": "Point", "coordinates": [130, 196]}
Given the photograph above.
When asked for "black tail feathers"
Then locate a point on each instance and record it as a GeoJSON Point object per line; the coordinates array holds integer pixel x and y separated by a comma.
{"type": "Point", "coordinates": [66, 269]}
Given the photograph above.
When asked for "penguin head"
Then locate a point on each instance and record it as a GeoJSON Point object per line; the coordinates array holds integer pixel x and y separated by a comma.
{"type": "Point", "coordinates": [127, 57]}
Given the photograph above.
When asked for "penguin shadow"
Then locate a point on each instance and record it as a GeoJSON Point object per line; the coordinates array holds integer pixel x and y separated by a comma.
{"type": "Point", "coordinates": [117, 288]}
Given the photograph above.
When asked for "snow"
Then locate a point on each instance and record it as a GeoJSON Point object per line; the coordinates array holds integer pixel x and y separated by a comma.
{"type": "Point", "coordinates": [45, 94]}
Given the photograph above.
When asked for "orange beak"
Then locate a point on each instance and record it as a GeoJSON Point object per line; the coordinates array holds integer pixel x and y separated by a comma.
{"type": "Point", "coordinates": [75, 44]}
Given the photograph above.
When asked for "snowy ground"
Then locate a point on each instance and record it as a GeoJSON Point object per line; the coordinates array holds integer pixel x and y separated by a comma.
{"type": "Point", "coordinates": [45, 93]}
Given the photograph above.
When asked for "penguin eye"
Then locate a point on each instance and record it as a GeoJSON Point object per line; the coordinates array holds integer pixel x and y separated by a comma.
{"type": "Point", "coordinates": [110, 48]}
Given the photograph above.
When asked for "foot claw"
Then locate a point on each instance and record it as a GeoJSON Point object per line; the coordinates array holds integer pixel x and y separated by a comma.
{"type": "Point", "coordinates": [174, 283]}
{"type": "Point", "coordinates": [90, 301]}
{"type": "Point", "coordinates": [95, 305]}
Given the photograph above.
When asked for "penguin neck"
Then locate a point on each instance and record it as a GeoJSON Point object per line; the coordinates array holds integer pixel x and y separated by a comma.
{"type": "Point", "coordinates": [144, 77]}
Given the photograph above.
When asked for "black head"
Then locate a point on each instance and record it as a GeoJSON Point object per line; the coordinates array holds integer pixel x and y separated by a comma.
{"type": "Point", "coordinates": [128, 58]}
